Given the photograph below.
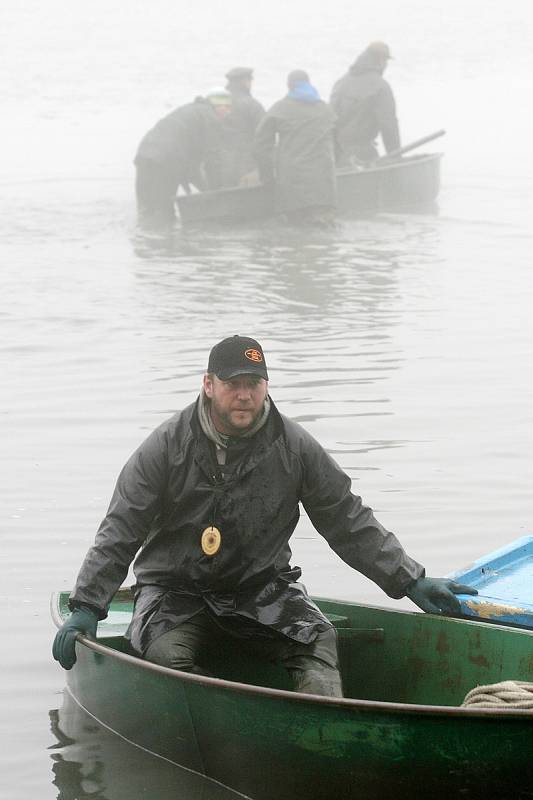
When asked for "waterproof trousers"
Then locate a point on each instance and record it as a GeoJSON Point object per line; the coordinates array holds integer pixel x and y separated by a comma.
{"type": "Point", "coordinates": [313, 667]}
{"type": "Point", "coordinates": [155, 187]}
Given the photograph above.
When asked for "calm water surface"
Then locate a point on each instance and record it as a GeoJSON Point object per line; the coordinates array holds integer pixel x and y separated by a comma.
{"type": "Point", "coordinates": [402, 342]}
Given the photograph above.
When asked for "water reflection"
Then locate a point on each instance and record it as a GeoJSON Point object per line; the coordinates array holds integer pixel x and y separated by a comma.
{"type": "Point", "coordinates": [286, 277]}
{"type": "Point", "coordinates": [352, 269]}
{"type": "Point", "coordinates": [328, 303]}
{"type": "Point", "coordinates": [90, 762]}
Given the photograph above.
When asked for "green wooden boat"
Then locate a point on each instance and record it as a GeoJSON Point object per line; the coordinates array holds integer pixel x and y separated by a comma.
{"type": "Point", "coordinates": [399, 732]}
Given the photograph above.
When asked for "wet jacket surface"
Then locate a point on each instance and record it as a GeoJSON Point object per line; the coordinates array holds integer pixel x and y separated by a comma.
{"type": "Point", "coordinates": [186, 141]}
{"type": "Point", "coordinates": [365, 107]}
{"type": "Point", "coordinates": [240, 127]}
{"type": "Point", "coordinates": [294, 144]}
{"type": "Point", "coordinates": [170, 490]}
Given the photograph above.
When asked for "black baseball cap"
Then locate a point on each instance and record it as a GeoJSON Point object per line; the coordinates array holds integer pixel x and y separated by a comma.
{"type": "Point", "coordinates": [237, 355]}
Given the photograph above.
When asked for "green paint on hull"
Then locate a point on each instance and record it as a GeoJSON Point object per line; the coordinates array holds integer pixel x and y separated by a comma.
{"type": "Point", "coordinates": [399, 731]}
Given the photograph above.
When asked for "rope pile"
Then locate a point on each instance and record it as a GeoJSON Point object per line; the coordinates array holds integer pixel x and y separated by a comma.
{"type": "Point", "coordinates": [507, 694]}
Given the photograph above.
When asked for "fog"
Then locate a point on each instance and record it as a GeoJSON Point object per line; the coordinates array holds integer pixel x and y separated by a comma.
{"type": "Point", "coordinates": [401, 341]}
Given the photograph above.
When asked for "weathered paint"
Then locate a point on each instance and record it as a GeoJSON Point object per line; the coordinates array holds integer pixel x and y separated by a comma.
{"type": "Point", "coordinates": [485, 609]}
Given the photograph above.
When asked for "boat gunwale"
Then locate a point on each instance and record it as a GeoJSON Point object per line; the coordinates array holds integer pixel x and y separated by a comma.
{"type": "Point", "coordinates": [298, 697]}
{"type": "Point", "coordinates": [401, 163]}
{"type": "Point", "coordinates": [491, 604]}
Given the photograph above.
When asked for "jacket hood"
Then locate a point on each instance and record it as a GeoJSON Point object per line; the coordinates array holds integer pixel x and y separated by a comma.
{"type": "Point", "coordinates": [366, 62]}
{"type": "Point", "coordinates": [305, 92]}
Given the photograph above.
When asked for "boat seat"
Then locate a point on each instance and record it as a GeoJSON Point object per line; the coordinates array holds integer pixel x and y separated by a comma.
{"type": "Point", "coordinates": [343, 627]}
{"type": "Point", "coordinates": [338, 621]}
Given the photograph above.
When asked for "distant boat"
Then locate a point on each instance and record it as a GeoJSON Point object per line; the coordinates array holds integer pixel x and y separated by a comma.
{"type": "Point", "coordinates": [504, 580]}
{"type": "Point", "coordinates": [408, 183]}
{"type": "Point", "coordinates": [398, 733]}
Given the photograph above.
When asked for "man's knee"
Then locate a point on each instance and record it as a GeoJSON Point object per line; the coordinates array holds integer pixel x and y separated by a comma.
{"type": "Point", "coordinates": [180, 647]}
{"type": "Point", "coordinates": [169, 650]}
{"type": "Point", "coordinates": [314, 668]}
{"type": "Point", "coordinates": [317, 680]}
{"type": "Point", "coordinates": [325, 649]}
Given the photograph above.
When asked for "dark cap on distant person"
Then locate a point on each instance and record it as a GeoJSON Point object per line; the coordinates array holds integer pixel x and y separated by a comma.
{"type": "Point", "coordinates": [237, 355]}
{"type": "Point", "coordinates": [297, 76]}
{"type": "Point", "coordinates": [240, 73]}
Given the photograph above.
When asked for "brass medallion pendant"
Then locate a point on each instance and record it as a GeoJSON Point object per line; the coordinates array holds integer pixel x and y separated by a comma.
{"type": "Point", "coordinates": [211, 541]}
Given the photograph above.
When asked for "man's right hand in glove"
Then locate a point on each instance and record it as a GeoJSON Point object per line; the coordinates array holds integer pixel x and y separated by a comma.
{"type": "Point", "coordinates": [82, 620]}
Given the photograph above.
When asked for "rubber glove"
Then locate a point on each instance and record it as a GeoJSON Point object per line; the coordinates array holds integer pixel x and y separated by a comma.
{"type": "Point", "coordinates": [82, 620]}
{"type": "Point", "coordinates": [437, 595]}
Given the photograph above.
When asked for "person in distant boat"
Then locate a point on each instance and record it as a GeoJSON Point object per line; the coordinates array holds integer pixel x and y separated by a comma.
{"type": "Point", "coordinates": [294, 149]}
{"type": "Point", "coordinates": [182, 149]}
{"type": "Point", "coordinates": [240, 125]}
{"type": "Point", "coordinates": [365, 108]}
{"type": "Point", "coordinates": [206, 506]}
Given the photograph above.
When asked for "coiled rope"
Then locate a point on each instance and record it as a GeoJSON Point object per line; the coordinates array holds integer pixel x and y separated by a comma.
{"type": "Point", "coordinates": [507, 694]}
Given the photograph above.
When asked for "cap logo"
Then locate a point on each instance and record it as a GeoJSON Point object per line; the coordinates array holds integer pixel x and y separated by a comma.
{"type": "Point", "coordinates": [253, 355]}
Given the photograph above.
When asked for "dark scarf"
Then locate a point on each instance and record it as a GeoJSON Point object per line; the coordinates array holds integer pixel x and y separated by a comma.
{"type": "Point", "coordinates": [221, 439]}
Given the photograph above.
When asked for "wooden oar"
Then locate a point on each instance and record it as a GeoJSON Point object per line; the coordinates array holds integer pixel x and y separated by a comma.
{"type": "Point", "coordinates": [408, 147]}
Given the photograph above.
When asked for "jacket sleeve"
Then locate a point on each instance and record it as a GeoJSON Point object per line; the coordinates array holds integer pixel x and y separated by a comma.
{"type": "Point", "coordinates": [264, 146]}
{"type": "Point", "coordinates": [135, 502]}
{"type": "Point", "coordinates": [350, 527]}
{"type": "Point", "coordinates": [387, 119]}
{"type": "Point", "coordinates": [256, 112]}
{"type": "Point", "coordinates": [338, 101]}
{"type": "Point", "coordinates": [213, 154]}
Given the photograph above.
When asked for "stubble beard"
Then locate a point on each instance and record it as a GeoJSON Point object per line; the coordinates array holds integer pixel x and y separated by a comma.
{"type": "Point", "coordinates": [227, 418]}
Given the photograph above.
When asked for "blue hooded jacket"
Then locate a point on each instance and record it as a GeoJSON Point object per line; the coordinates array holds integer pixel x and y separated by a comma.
{"type": "Point", "coordinates": [305, 92]}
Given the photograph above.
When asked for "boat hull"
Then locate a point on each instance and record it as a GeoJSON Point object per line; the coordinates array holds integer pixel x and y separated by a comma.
{"type": "Point", "coordinates": [408, 183]}
{"type": "Point", "coordinates": [398, 729]}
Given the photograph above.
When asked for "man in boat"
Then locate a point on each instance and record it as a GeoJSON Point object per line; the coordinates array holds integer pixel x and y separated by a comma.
{"type": "Point", "coordinates": [246, 112]}
{"type": "Point", "coordinates": [294, 149]}
{"type": "Point", "coordinates": [182, 149]}
{"type": "Point", "coordinates": [365, 107]}
{"type": "Point", "coordinates": [206, 507]}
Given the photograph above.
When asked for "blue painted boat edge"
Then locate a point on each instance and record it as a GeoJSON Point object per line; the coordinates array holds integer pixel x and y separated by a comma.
{"type": "Point", "coordinates": [497, 558]}
{"type": "Point", "coordinates": [487, 607]}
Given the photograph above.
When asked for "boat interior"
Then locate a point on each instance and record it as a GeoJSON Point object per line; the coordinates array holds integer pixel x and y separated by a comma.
{"type": "Point", "coordinates": [385, 655]}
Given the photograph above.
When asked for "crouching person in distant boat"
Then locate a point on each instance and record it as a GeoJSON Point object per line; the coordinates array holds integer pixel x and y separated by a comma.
{"type": "Point", "coordinates": [182, 149]}
{"type": "Point", "coordinates": [206, 506]}
{"type": "Point", "coordinates": [294, 148]}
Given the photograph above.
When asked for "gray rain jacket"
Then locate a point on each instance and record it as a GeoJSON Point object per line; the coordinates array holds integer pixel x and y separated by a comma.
{"type": "Point", "coordinates": [170, 490]}
{"type": "Point", "coordinates": [185, 142]}
{"type": "Point", "coordinates": [365, 107]}
{"type": "Point", "coordinates": [240, 126]}
{"type": "Point", "coordinates": [294, 144]}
